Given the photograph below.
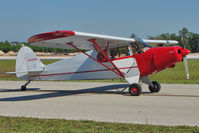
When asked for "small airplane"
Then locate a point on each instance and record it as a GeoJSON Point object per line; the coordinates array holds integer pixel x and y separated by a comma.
{"type": "Point", "coordinates": [108, 57]}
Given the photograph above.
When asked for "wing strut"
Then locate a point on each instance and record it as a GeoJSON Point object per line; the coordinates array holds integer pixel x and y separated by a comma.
{"type": "Point", "coordinates": [118, 73]}
{"type": "Point", "coordinates": [107, 58]}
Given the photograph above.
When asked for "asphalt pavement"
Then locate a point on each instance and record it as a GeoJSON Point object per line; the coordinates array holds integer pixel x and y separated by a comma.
{"type": "Point", "coordinates": [176, 104]}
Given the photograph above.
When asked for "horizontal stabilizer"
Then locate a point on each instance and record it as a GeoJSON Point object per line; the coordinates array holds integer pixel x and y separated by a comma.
{"type": "Point", "coordinates": [30, 71]}
{"type": "Point", "coordinates": [10, 72]}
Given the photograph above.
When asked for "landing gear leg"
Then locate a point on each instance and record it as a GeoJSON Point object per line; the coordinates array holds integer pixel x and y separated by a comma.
{"type": "Point", "coordinates": [154, 86]}
{"type": "Point", "coordinates": [23, 87]}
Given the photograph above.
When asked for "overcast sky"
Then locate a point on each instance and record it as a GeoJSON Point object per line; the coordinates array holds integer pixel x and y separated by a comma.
{"type": "Point", "coordinates": [20, 19]}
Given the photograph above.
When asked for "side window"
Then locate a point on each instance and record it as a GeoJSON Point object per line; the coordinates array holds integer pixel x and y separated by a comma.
{"type": "Point", "coordinates": [124, 51]}
{"type": "Point", "coordinates": [119, 52]}
{"type": "Point", "coordinates": [139, 47]}
{"type": "Point", "coordinates": [136, 50]}
{"type": "Point", "coordinates": [113, 53]}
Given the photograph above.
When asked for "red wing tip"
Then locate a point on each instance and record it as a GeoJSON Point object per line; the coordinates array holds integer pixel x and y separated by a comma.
{"type": "Point", "coordinates": [50, 35]}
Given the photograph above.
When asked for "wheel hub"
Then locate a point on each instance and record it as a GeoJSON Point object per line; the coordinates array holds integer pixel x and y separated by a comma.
{"type": "Point", "coordinates": [134, 90]}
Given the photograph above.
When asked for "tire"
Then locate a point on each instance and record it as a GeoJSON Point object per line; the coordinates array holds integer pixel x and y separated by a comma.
{"type": "Point", "coordinates": [135, 89]}
{"type": "Point", "coordinates": [155, 88]}
{"type": "Point", "coordinates": [23, 88]}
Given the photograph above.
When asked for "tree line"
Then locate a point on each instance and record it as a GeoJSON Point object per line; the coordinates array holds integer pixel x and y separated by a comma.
{"type": "Point", "coordinates": [185, 38]}
{"type": "Point", "coordinates": [15, 46]}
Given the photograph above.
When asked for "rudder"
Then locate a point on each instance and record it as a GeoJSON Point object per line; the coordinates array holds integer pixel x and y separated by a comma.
{"type": "Point", "coordinates": [26, 63]}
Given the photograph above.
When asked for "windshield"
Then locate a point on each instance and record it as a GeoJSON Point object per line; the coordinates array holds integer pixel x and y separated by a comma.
{"type": "Point", "coordinates": [139, 46]}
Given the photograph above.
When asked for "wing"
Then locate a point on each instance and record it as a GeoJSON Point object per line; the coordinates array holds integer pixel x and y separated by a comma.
{"type": "Point", "coordinates": [62, 39]}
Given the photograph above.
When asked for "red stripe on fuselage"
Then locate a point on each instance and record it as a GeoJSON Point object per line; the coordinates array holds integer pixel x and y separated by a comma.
{"type": "Point", "coordinates": [33, 59]}
{"type": "Point", "coordinates": [79, 72]}
{"type": "Point", "coordinates": [125, 57]}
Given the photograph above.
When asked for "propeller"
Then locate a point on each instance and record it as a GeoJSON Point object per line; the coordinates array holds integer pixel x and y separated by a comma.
{"type": "Point", "coordinates": [186, 66]}
{"type": "Point", "coordinates": [184, 55]}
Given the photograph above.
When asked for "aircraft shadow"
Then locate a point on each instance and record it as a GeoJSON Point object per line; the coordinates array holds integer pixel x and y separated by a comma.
{"type": "Point", "coordinates": [110, 89]}
{"type": "Point", "coordinates": [17, 90]}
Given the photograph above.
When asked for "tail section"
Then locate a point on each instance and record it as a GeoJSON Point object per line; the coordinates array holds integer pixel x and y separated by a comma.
{"type": "Point", "coordinates": [27, 63]}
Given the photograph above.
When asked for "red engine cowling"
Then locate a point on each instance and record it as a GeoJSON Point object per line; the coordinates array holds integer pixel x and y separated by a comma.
{"type": "Point", "coordinates": [158, 58]}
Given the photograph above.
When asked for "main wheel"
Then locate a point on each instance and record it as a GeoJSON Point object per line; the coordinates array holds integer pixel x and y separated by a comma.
{"type": "Point", "coordinates": [135, 89]}
{"type": "Point", "coordinates": [23, 87]}
{"type": "Point", "coordinates": [155, 88]}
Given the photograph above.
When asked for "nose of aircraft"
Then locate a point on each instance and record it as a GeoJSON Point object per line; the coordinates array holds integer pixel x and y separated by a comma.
{"type": "Point", "coordinates": [185, 52]}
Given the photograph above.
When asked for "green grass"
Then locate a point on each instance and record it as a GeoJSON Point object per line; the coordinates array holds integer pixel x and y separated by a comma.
{"type": "Point", "coordinates": [178, 74]}
{"type": "Point", "coordinates": [9, 66]}
{"type": "Point", "coordinates": [171, 75]}
{"type": "Point", "coordinates": [21, 125]}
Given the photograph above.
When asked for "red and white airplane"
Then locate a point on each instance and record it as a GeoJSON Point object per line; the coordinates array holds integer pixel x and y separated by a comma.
{"type": "Point", "coordinates": [108, 57]}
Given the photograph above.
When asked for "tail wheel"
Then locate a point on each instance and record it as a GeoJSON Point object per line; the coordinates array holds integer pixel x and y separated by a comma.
{"type": "Point", "coordinates": [156, 87]}
{"type": "Point", "coordinates": [135, 89]}
{"type": "Point", "coordinates": [23, 87]}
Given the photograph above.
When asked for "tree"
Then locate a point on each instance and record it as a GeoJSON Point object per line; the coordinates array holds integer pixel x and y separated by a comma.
{"type": "Point", "coordinates": [194, 42]}
{"type": "Point", "coordinates": [184, 35]}
{"type": "Point", "coordinates": [133, 35]}
{"type": "Point", "coordinates": [185, 38]}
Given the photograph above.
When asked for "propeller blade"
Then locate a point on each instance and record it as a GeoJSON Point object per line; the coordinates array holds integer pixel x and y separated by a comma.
{"type": "Point", "coordinates": [186, 66]}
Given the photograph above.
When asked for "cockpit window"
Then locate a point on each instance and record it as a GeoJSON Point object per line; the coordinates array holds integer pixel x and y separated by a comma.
{"type": "Point", "coordinates": [125, 51]}
{"type": "Point", "coordinates": [139, 47]}
{"type": "Point", "coordinates": [118, 52]}
{"type": "Point", "coordinates": [134, 48]}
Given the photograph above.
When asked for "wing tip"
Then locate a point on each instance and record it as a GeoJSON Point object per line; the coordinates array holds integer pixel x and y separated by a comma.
{"type": "Point", "coordinates": [50, 35]}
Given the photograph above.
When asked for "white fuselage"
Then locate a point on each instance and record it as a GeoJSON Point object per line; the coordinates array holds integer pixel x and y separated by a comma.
{"type": "Point", "coordinates": [84, 67]}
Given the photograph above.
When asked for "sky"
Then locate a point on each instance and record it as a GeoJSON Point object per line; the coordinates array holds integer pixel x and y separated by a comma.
{"type": "Point", "coordinates": [21, 19]}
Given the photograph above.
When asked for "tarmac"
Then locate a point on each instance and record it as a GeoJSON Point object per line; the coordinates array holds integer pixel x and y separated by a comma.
{"type": "Point", "coordinates": [175, 104]}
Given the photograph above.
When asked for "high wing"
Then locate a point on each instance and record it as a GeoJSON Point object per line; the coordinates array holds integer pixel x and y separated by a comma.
{"type": "Point", "coordinates": [81, 40]}
{"type": "Point", "coordinates": [99, 43]}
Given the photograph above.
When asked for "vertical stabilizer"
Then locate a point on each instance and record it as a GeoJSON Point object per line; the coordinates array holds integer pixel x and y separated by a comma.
{"type": "Point", "coordinates": [26, 63]}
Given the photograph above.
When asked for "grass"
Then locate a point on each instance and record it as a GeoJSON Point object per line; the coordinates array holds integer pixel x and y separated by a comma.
{"type": "Point", "coordinates": [9, 66]}
{"type": "Point", "coordinates": [22, 125]}
{"type": "Point", "coordinates": [178, 74]}
{"type": "Point", "coordinates": [171, 75]}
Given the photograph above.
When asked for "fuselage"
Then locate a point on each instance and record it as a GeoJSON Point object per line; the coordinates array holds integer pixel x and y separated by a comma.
{"type": "Point", "coordinates": [83, 67]}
